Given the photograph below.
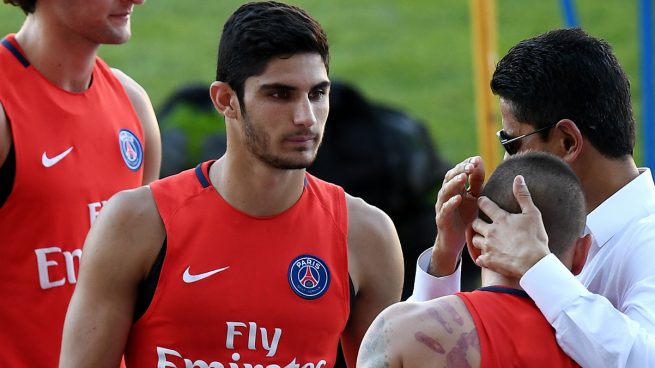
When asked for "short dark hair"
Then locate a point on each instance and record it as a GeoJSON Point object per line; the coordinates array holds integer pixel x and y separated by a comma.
{"type": "Point", "coordinates": [568, 74]}
{"type": "Point", "coordinates": [555, 190]}
{"type": "Point", "coordinates": [28, 6]}
{"type": "Point", "coordinates": [260, 31]}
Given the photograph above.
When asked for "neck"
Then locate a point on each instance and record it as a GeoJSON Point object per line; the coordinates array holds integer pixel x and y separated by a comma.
{"type": "Point", "coordinates": [59, 56]}
{"type": "Point", "coordinates": [490, 278]}
{"type": "Point", "coordinates": [255, 188]}
{"type": "Point", "coordinates": [593, 165]}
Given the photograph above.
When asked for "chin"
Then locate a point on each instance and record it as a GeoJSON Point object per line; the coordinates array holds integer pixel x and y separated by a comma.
{"type": "Point", "coordinates": [287, 163]}
{"type": "Point", "coordinates": [115, 37]}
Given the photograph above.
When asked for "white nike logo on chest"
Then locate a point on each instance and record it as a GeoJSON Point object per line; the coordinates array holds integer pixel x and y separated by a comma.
{"type": "Point", "coordinates": [48, 162]}
{"type": "Point", "coordinates": [189, 278]}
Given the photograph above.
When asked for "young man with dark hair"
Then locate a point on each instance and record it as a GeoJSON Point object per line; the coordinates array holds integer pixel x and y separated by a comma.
{"type": "Point", "coordinates": [73, 132]}
{"type": "Point", "coordinates": [564, 92]}
{"type": "Point", "coordinates": [497, 325]}
{"type": "Point", "coordinates": [246, 260]}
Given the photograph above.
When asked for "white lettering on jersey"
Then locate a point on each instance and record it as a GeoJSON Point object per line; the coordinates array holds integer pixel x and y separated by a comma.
{"type": "Point", "coordinates": [44, 262]}
{"type": "Point", "coordinates": [163, 355]}
{"type": "Point", "coordinates": [94, 210]}
{"type": "Point", "coordinates": [270, 346]}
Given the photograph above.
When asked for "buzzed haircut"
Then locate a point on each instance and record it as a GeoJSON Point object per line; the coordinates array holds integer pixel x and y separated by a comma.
{"type": "Point", "coordinates": [555, 190]}
{"type": "Point", "coordinates": [260, 31]}
{"type": "Point", "coordinates": [569, 74]}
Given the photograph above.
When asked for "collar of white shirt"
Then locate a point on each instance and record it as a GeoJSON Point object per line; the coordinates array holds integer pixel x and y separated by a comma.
{"type": "Point", "coordinates": [621, 208]}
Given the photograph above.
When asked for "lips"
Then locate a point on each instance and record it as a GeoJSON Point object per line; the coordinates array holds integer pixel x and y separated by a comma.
{"type": "Point", "coordinates": [122, 14]}
{"type": "Point", "coordinates": [301, 138]}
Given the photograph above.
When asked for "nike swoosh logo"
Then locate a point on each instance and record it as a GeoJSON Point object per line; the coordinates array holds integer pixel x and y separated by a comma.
{"type": "Point", "coordinates": [48, 162]}
{"type": "Point", "coordinates": [189, 278]}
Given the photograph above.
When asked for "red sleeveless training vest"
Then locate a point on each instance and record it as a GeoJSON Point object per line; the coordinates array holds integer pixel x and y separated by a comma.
{"type": "Point", "coordinates": [241, 291]}
{"type": "Point", "coordinates": [512, 330]}
{"type": "Point", "coordinates": [72, 151]}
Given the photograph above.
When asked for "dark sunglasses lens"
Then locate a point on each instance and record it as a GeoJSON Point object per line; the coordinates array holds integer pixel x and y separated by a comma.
{"type": "Point", "coordinates": [510, 147]}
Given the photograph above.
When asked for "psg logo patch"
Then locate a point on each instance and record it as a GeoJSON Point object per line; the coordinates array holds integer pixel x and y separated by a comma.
{"type": "Point", "coordinates": [309, 277]}
{"type": "Point", "coordinates": [131, 149]}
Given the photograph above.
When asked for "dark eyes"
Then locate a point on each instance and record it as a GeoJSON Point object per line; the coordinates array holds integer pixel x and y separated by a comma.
{"type": "Point", "coordinates": [281, 94]}
{"type": "Point", "coordinates": [314, 95]}
{"type": "Point", "coordinates": [317, 95]}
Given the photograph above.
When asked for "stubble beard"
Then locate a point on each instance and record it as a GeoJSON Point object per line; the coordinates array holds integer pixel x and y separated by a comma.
{"type": "Point", "coordinates": [258, 143]}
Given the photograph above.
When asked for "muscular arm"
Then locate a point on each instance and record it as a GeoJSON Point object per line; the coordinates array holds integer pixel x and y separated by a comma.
{"type": "Point", "coordinates": [118, 253]}
{"type": "Point", "coordinates": [375, 264]}
{"type": "Point", "coordinates": [143, 107]}
{"type": "Point", "coordinates": [437, 333]}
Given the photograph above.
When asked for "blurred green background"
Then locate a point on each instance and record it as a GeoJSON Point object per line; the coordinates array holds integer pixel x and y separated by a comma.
{"type": "Point", "coordinates": [414, 55]}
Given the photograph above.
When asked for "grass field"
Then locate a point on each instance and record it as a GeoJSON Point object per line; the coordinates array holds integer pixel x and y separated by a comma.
{"type": "Point", "coordinates": [414, 55]}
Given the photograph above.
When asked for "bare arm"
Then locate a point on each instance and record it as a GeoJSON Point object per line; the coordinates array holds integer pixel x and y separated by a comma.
{"type": "Point", "coordinates": [375, 264]}
{"type": "Point", "coordinates": [5, 136]}
{"type": "Point", "coordinates": [118, 253]}
{"type": "Point", "coordinates": [436, 333]}
{"type": "Point", "coordinates": [143, 107]}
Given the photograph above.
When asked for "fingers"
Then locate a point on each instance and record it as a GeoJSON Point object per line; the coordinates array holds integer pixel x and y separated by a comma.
{"type": "Point", "coordinates": [476, 177]}
{"type": "Point", "coordinates": [450, 189]}
{"type": "Point", "coordinates": [491, 209]}
{"type": "Point", "coordinates": [480, 227]}
{"type": "Point", "coordinates": [468, 166]}
{"type": "Point", "coordinates": [522, 195]}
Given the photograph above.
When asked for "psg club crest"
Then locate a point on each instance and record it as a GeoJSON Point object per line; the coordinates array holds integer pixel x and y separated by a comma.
{"type": "Point", "coordinates": [131, 149]}
{"type": "Point", "coordinates": [309, 276]}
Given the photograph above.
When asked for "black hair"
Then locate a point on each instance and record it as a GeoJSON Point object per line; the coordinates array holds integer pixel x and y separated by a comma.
{"type": "Point", "coordinates": [260, 31]}
{"type": "Point", "coordinates": [28, 6]}
{"type": "Point", "coordinates": [568, 74]}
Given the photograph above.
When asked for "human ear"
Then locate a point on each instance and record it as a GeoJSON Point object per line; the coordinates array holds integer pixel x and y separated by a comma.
{"type": "Point", "coordinates": [224, 98]}
{"type": "Point", "coordinates": [568, 139]}
{"type": "Point", "coordinates": [581, 249]}
{"type": "Point", "coordinates": [473, 251]}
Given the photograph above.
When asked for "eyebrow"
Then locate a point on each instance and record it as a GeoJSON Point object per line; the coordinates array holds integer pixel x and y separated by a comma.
{"type": "Point", "coordinates": [286, 87]}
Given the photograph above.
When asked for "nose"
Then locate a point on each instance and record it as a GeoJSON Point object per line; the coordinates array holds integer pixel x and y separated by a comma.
{"type": "Point", "coordinates": [304, 113]}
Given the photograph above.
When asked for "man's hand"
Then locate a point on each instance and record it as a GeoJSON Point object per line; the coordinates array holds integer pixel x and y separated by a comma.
{"type": "Point", "coordinates": [512, 243]}
{"type": "Point", "coordinates": [455, 209]}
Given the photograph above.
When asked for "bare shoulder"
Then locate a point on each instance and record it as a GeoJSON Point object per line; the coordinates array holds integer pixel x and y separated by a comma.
{"type": "Point", "coordinates": [128, 225]}
{"type": "Point", "coordinates": [133, 205]}
{"type": "Point", "coordinates": [133, 89]}
{"type": "Point", "coordinates": [442, 330]}
{"type": "Point", "coordinates": [373, 244]}
{"type": "Point", "coordinates": [146, 113]}
{"type": "Point", "coordinates": [368, 224]}
{"type": "Point", "coordinates": [439, 332]}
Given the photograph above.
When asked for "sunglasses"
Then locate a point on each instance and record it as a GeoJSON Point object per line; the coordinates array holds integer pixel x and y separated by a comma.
{"type": "Point", "coordinates": [513, 144]}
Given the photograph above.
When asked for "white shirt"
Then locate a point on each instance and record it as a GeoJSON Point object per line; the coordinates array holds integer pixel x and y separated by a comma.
{"type": "Point", "coordinates": [606, 316]}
